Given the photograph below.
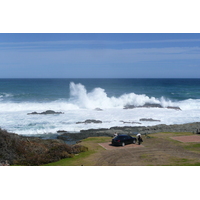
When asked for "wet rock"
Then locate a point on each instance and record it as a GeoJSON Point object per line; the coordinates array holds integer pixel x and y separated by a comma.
{"type": "Point", "coordinates": [51, 112]}
{"type": "Point", "coordinates": [190, 127]}
{"type": "Point", "coordinates": [33, 113]}
{"type": "Point", "coordinates": [149, 120]}
{"type": "Point", "coordinates": [150, 105]}
{"type": "Point", "coordinates": [98, 109]}
{"type": "Point", "coordinates": [61, 131]}
{"type": "Point", "coordinates": [88, 121]}
{"type": "Point", "coordinates": [174, 107]}
{"type": "Point", "coordinates": [129, 107]}
{"type": "Point", "coordinates": [48, 112]}
{"type": "Point", "coordinates": [146, 105]}
{"type": "Point", "coordinates": [130, 122]}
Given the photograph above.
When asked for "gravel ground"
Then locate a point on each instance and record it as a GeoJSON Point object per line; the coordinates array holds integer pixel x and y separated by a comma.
{"type": "Point", "coordinates": [190, 138]}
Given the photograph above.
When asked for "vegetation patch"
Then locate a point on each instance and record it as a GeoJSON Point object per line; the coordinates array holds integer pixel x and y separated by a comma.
{"type": "Point", "coordinates": [19, 150]}
{"type": "Point", "coordinates": [193, 147]}
{"type": "Point", "coordinates": [184, 162]}
{"type": "Point", "coordinates": [86, 158]}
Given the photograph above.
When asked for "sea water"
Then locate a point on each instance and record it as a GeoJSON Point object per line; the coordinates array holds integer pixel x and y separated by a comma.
{"type": "Point", "coordinates": [79, 99]}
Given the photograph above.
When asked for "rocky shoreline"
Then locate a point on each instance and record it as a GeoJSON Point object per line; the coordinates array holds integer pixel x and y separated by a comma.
{"type": "Point", "coordinates": [21, 150]}
{"type": "Point", "coordinates": [151, 105]}
{"type": "Point", "coordinates": [189, 127]}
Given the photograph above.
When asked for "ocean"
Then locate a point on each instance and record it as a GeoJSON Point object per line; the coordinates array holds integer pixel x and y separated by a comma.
{"type": "Point", "coordinates": [79, 99]}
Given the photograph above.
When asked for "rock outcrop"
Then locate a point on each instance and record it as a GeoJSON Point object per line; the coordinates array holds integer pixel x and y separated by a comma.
{"type": "Point", "coordinates": [48, 112]}
{"type": "Point", "coordinates": [89, 121]}
{"type": "Point", "coordinates": [149, 120]}
{"type": "Point", "coordinates": [151, 105]}
{"type": "Point", "coordinates": [190, 127]}
{"type": "Point", "coordinates": [98, 109]}
{"type": "Point", "coordinates": [125, 122]}
{"type": "Point", "coordinates": [173, 107]}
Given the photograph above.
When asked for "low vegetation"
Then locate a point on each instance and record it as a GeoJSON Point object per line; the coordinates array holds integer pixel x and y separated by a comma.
{"type": "Point", "coordinates": [85, 158]}
{"type": "Point", "coordinates": [18, 150]}
{"type": "Point", "coordinates": [159, 149]}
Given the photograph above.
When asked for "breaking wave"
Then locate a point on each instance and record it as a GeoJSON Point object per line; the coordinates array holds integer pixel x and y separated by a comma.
{"type": "Point", "coordinates": [99, 98]}
{"type": "Point", "coordinates": [80, 106]}
{"type": "Point", "coordinates": [80, 98]}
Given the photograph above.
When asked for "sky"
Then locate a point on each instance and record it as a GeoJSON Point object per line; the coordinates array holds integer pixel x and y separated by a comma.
{"type": "Point", "coordinates": [99, 55]}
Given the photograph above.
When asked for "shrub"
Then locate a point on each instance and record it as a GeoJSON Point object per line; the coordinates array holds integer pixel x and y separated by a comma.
{"type": "Point", "coordinates": [34, 151]}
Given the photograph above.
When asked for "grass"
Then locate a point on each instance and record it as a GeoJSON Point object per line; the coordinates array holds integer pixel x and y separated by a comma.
{"type": "Point", "coordinates": [195, 147]}
{"type": "Point", "coordinates": [77, 160]}
{"type": "Point", "coordinates": [84, 157]}
{"type": "Point", "coordinates": [184, 162]}
{"type": "Point", "coordinates": [160, 149]}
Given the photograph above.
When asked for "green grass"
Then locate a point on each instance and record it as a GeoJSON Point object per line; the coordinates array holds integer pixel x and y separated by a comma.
{"type": "Point", "coordinates": [184, 162]}
{"type": "Point", "coordinates": [193, 147]}
{"type": "Point", "coordinates": [82, 158]}
{"type": "Point", "coordinates": [144, 156]}
{"type": "Point", "coordinates": [77, 160]}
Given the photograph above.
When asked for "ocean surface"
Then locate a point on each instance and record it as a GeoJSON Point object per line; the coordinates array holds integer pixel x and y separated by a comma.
{"type": "Point", "coordinates": [79, 98]}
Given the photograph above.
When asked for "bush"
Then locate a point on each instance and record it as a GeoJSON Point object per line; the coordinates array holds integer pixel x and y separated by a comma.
{"type": "Point", "coordinates": [21, 150]}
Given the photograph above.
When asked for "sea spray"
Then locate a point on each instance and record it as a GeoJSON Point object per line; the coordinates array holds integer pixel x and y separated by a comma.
{"type": "Point", "coordinates": [98, 98]}
{"type": "Point", "coordinates": [77, 99]}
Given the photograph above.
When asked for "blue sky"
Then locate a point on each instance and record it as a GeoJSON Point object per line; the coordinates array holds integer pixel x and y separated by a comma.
{"type": "Point", "coordinates": [93, 55]}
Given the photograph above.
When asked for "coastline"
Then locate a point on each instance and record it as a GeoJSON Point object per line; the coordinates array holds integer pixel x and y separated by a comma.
{"type": "Point", "coordinates": [188, 127]}
{"type": "Point", "coordinates": [23, 150]}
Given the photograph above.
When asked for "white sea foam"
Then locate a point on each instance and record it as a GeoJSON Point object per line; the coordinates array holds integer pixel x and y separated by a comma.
{"type": "Point", "coordinates": [4, 95]}
{"type": "Point", "coordinates": [81, 106]}
{"type": "Point", "coordinates": [99, 98]}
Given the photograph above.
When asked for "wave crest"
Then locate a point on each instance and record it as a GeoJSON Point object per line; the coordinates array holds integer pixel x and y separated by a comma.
{"type": "Point", "coordinates": [99, 98]}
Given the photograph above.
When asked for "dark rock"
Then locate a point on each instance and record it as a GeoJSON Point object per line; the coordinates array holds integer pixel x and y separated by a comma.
{"type": "Point", "coordinates": [33, 113]}
{"type": "Point", "coordinates": [130, 122]}
{"type": "Point", "coordinates": [129, 106]}
{"type": "Point", "coordinates": [85, 134]}
{"type": "Point", "coordinates": [45, 113]}
{"type": "Point", "coordinates": [151, 105]}
{"type": "Point", "coordinates": [51, 112]}
{"type": "Point", "coordinates": [146, 105]}
{"type": "Point", "coordinates": [190, 127]}
{"type": "Point", "coordinates": [61, 131]}
{"type": "Point", "coordinates": [174, 107]}
{"type": "Point", "coordinates": [98, 109]}
{"type": "Point", "coordinates": [132, 130]}
{"type": "Point", "coordinates": [88, 121]}
{"type": "Point", "coordinates": [149, 120]}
